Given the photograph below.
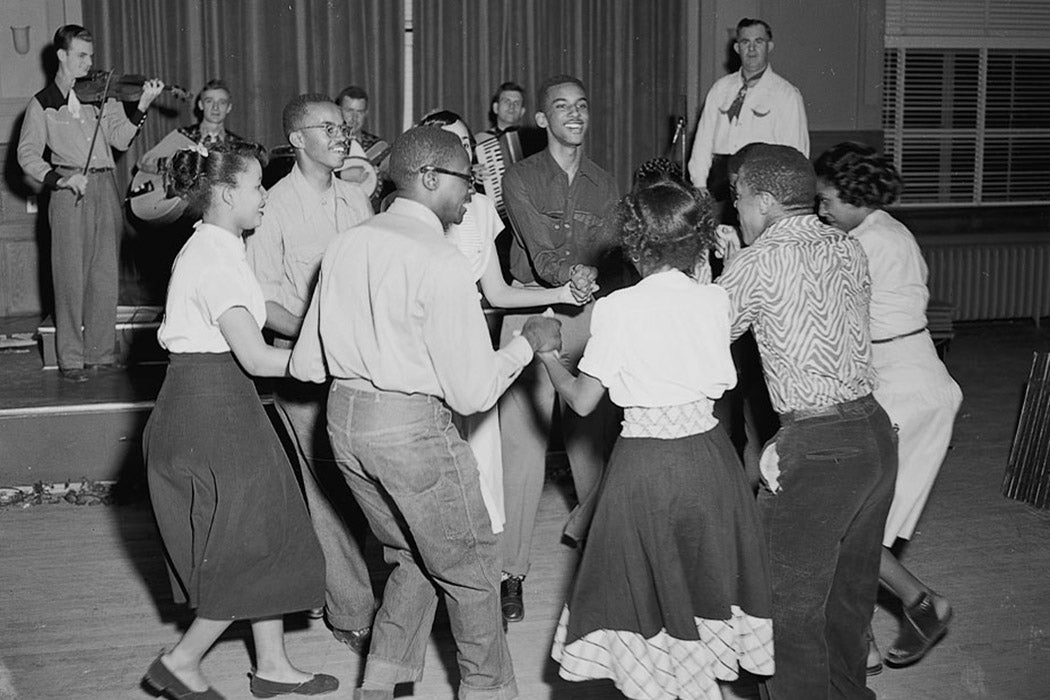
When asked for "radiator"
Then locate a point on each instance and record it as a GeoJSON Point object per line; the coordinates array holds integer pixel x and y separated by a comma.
{"type": "Point", "coordinates": [991, 280]}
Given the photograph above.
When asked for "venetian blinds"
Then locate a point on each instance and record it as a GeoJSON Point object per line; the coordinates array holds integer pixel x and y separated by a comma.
{"type": "Point", "coordinates": [966, 100]}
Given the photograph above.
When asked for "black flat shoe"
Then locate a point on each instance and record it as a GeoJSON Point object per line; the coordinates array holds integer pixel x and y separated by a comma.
{"type": "Point", "coordinates": [512, 601]}
{"type": "Point", "coordinates": [922, 629]}
{"type": "Point", "coordinates": [320, 684]}
{"type": "Point", "coordinates": [161, 679]}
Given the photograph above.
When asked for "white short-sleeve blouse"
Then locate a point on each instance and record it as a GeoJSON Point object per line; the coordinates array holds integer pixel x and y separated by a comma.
{"type": "Point", "coordinates": [475, 236]}
{"type": "Point", "coordinates": [662, 342]}
{"type": "Point", "coordinates": [210, 275]}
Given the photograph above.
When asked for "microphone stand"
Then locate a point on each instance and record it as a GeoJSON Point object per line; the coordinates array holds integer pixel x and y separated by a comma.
{"type": "Point", "coordinates": [678, 139]}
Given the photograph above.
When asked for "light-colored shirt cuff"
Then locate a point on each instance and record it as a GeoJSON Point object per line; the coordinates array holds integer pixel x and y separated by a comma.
{"type": "Point", "coordinates": [518, 350]}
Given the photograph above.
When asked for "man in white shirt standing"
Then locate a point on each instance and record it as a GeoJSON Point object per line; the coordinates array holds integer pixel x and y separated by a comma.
{"type": "Point", "coordinates": [753, 104]}
{"type": "Point", "coordinates": [306, 210]}
{"type": "Point", "coordinates": [396, 322]}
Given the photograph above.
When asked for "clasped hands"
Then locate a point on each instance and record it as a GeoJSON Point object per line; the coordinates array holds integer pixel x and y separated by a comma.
{"type": "Point", "coordinates": [543, 333]}
{"type": "Point", "coordinates": [583, 283]}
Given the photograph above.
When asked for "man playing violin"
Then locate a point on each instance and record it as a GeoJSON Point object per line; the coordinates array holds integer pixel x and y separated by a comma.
{"type": "Point", "coordinates": [84, 208]}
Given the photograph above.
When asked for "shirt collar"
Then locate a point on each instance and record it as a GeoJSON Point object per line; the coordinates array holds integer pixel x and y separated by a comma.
{"type": "Point", "coordinates": [799, 227]}
{"type": "Point", "coordinates": [309, 196]}
{"type": "Point", "coordinates": [587, 167]}
{"type": "Point", "coordinates": [402, 206]}
{"type": "Point", "coordinates": [756, 81]}
{"type": "Point", "coordinates": [671, 279]}
{"type": "Point", "coordinates": [223, 238]}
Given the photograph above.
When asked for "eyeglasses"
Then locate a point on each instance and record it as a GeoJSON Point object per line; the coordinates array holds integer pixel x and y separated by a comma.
{"type": "Point", "coordinates": [465, 177]}
{"type": "Point", "coordinates": [331, 130]}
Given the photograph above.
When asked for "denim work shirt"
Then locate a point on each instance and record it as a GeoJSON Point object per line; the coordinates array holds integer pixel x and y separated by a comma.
{"type": "Point", "coordinates": [558, 224]}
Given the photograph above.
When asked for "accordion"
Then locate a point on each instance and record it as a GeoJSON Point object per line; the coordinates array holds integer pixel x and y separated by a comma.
{"type": "Point", "coordinates": [495, 153]}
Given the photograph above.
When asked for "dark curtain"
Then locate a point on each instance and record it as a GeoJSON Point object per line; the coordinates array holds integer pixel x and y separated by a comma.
{"type": "Point", "coordinates": [629, 53]}
{"type": "Point", "coordinates": [268, 52]}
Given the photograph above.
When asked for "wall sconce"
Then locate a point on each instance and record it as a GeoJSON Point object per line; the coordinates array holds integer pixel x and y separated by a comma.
{"type": "Point", "coordinates": [20, 35]}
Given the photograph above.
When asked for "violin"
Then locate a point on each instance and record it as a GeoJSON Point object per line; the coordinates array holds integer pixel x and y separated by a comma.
{"type": "Point", "coordinates": [126, 87]}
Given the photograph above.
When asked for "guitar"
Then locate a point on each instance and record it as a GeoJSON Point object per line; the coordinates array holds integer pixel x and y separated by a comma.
{"type": "Point", "coordinates": [150, 203]}
{"type": "Point", "coordinates": [357, 168]}
{"type": "Point", "coordinates": [147, 196]}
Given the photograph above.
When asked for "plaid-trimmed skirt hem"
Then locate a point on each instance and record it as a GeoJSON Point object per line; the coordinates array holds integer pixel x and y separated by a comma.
{"type": "Point", "coordinates": [663, 667]}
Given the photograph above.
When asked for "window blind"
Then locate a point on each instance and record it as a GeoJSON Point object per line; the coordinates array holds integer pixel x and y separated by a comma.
{"type": "Point", "coordinates": [966, 100]}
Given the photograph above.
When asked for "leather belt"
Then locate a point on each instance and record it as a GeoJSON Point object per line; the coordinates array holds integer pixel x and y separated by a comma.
{"type": "Point", "coordinates": [898, 337]}
{"type": "Point", "coordinates": [843, 409]}
{"type": "Point", "coordinates": [91, 171]}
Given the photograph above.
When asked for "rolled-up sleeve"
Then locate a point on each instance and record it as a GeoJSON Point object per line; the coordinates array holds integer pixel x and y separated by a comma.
{"type": "Point", "coordinates": [307, 363]}
{"type": "Point", "coordinates": [472, 375]}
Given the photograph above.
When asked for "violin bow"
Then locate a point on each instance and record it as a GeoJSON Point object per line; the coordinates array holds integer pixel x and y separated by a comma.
{"type": "Point", "coordinates": [98, 123]}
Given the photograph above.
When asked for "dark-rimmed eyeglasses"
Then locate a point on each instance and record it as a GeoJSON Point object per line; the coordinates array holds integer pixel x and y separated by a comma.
{"type": "Point", "coordinates": [331, 130]}
{"type": "Point", "coordinates": [465, 177]}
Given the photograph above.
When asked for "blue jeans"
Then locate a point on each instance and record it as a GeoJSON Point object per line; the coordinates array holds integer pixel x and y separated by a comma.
{"type": "Point", "coordinates": [417, 483]}
{"type": "Point", "coordinates": [824, 530]}
{"type": "Point", "coordinates": [337, 520]}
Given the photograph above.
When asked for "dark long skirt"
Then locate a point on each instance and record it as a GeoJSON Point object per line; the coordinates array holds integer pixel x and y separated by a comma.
{"type": "Point", "coordinates": [673, 592]}
{"type": "Point", "coordinates": [236, 533]}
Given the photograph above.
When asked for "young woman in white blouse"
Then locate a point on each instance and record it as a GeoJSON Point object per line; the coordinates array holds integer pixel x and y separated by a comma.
{"type": "Point", "coordinates": [672, 596]}
{"type": "Point", "coordinates": [236, 534]}
{"type": "Point", "coordinates": [854, 185]}
{"type": "Point", "coordinates": [475, 237]}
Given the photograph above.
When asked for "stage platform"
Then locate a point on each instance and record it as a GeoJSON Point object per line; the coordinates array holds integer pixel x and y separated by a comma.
{"type": "Point", "coordinates": [54, 431]}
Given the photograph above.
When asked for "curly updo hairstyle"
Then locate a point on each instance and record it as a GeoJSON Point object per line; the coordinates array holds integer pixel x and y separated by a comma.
{"type": "Point", "coordinates": [862, 177]}
{"type": "Point", "coordinates": [192, 175]}
{"type": "Point", "coordinates": [666, 222]}
{"type": "Point", "coordinates": [656, 170]}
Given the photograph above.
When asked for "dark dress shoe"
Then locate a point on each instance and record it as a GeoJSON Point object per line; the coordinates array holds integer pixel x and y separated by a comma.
{"type": "Point", "coordinates": [512, 602]}
{"type": "Point", "coordinates": [77, 375]}
{"type": "Point", "coordinates": [320, 684]}
{"type": "Point", "coordinates": [921, 630]}
{"type": "Point", "coordinates": [161, 679]}
{"type": "Point", "coordinates": [357, 640]}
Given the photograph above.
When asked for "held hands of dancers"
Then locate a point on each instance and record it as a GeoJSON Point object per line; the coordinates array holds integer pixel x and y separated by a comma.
{"type": "Point", "coordinates": [728, 241]}
{"type": "Point", "coordinates": [568, 295]}
{"type": "Point", "coordinates": [543, 333]}
{"type": "Point", "coordinates": [583, 282]}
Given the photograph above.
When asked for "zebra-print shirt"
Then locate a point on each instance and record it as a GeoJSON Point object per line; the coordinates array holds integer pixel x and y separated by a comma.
{"type": "Point", "coordinates": [804, 289]}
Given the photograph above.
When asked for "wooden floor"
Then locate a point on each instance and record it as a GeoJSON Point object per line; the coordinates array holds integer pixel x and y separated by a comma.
{"type": "Point", "coordinates": [84, 602]}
